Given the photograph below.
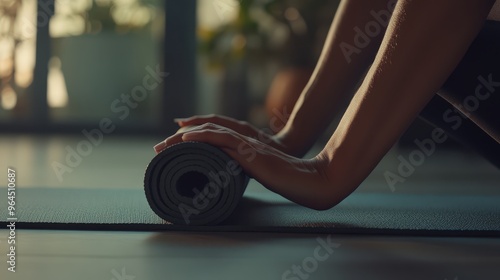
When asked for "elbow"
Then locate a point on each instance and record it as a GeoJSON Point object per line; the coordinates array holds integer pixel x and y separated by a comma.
{"type": "Point", "coordinates": [336, 182]}
{"type": "Point", "coordinates": [332, 193]}
{"type": "Point", "coordinates": [325, 203]}
{"type": "Point", "coordinates": [322, 206]}
{"type": "Point", "coordinates": [322, 199]}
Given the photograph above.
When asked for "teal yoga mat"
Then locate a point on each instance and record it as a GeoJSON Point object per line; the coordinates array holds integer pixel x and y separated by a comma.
{"type": "Point", "coordinates": [194, 184]}
{"type": "Point", "coordinates": [360, 213]}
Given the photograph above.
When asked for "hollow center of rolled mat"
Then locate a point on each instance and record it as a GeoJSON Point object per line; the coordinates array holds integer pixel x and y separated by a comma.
{"type": "Point", "coordinates": [191, 183]}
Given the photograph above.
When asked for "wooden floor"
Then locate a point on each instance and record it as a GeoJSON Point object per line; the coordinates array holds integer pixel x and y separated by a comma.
{"type": "Point", "coordinates": [119, 163]}
{"type": "Point", "coordinates": [175, 255]}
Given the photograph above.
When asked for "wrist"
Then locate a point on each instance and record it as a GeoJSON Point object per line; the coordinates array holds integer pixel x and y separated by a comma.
{"type": "Point", "coordinates": [295, 141]}
{"type": "Point", "coordinates": [283, 141]}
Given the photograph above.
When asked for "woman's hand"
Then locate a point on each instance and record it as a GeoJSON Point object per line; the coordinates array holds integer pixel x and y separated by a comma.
{"type": "Point", "coordinates": [299, 180]}
{"type": "Point", "coordinates": [241, 127]}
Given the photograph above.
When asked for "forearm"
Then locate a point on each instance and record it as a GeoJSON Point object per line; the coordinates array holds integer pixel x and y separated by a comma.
{"type": "Point", "coordinates": [423, 44]}
{"type": "Point", "coordinates": [342, 63]}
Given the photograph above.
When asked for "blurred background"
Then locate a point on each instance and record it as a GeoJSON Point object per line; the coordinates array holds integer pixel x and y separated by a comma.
{"type": "Point", "coordinates": [64, 62]}
{"type": "Point", "coordinates": [69, 69]}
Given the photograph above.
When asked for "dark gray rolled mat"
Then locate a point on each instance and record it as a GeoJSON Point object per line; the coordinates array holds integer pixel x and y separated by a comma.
{"type": "Point", "coordinates": [194, 183]}
{"type": "Point", "coordinates": [360, 213]}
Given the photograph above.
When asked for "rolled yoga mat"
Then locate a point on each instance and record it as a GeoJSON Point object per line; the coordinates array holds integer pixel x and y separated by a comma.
{"type": "Point", "coordinates": [194, 183]}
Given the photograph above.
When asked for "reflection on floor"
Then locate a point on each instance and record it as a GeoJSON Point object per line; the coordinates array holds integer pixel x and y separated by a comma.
{"type": "Point", "coordinates": [173, 255]}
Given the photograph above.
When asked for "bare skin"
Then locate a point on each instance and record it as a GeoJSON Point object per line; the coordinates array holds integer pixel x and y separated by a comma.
{"type": "Point", "coordinates": [422, 45]}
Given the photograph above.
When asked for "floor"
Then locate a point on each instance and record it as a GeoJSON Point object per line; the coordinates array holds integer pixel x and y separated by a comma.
{"type": "Point", "coordinates": [138, 255]}
{"type": "Point", "coordinates": [119, 162]}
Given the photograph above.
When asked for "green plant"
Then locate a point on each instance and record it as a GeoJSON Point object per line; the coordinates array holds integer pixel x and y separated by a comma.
{"type": "Point", "coordinates": [94, 16]}
{"type": "Point", "coordinates": [288, 30]}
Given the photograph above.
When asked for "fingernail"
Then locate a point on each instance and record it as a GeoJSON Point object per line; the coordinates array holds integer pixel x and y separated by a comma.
{"type": "Point", "coordinates": [177, 120]}
{"type": "Point", "coordinates": [160, 146]}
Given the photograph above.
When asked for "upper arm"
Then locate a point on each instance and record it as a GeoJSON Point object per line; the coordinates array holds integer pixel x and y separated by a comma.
{"type": "Point", "coordinates": [424, 42]}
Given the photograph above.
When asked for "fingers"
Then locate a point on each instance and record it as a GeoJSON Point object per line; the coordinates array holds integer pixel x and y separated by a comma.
{"type": "Point", "coordinates": [199, 120]}
{"type": "Point", "coordinates": [238, 126]}
{"type": "Point", "coordinates": [220, 137]}
{"type": "Point", "coordinates": [174, 139]}
{"type": "Point", "coordinates": [235, 145]}
{"type": "Point", "coordinates": [207, 132]}
{"type": "Point", "coordinates": [160, 147]}
{"type": "Point", "coordinates": [255, 157]}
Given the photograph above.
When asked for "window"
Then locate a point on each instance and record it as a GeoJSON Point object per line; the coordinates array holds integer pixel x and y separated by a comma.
{"type": "Point", "coordinates": [66, 64]}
